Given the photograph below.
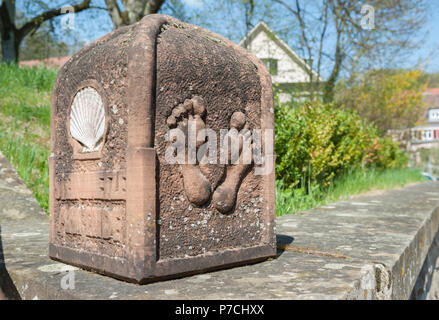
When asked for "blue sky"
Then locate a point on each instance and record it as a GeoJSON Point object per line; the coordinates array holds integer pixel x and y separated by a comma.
{"type": "Point", "coordinates": [426, 57]}
{"type": "Point", "coordinates": [93, 24]}
{"type": "Point", "coordinates": [430, 50]}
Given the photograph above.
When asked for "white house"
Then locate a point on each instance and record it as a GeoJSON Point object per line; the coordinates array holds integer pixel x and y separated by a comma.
{"type": "Point", "coordinates": [429, 132]}
{"type": "Point", "coordinates": [287, 69]}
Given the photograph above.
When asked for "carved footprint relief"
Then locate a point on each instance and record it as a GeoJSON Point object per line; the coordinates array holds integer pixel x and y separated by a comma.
{"type": "Point", "coordinates": [224, 197]}
{"type": "Point", "coordinates": [197, 187]}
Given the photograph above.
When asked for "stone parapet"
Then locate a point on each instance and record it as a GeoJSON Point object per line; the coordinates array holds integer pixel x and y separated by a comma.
{"type": "Point", "coordinates": [377, 246]}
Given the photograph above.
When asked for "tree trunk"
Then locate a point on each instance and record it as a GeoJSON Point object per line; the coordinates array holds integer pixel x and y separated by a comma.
{"type": "Point", "coordinates": [9, 47]}
{"type": "Point", "coordinates": [134, 11]}
{"type": "Point", "coordinates": [153, 6]}
{"type": "Point", "coordinates": [328, 94]}
{"type": "Point", "coordinates": [11, 37]}
{"type": "Point", "coordinates": [8, 32]}
{"type": "Point", "coordinates": [328, 91]}
{"type": "Point", "coordinates": [115, 13]}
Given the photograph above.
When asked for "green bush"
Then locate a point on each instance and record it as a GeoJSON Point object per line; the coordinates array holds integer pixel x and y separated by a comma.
{"type": "Point", "coordinates": [316, 142]}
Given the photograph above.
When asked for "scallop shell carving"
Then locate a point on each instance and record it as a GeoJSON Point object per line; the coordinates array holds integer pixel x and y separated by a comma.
{"type": "Point", "coordinates": [87, 119]}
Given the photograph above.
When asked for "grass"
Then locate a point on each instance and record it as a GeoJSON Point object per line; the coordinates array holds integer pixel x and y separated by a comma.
{"type": "Point", "coordinates": [25, 124]}
{"type": "Point", "coordinates": [25, 95]}
{"type": "Point", "coordinates": [346, 185]}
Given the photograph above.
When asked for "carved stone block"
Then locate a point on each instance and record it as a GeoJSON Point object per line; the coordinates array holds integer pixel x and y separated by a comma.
{"type": "Point", "coordinates": [120, 204]}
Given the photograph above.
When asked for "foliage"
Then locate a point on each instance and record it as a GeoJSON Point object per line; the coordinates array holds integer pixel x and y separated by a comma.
{"type": "Point", "coordinates": [347, 184]}
{"type": "Point", "coordinates": [30, 161]}
{"type": "Point", "coordinates": [13, 34]}
{"type": "Point", "coordinates": [25, 124]}
{"type": "Point", "coordinates": [314, 145]}
{"type": "Point", "coordinates": [431, 80]}
{"type": "Point", "coordinates": [343, 36]}
{"type": "Point", "coordinates": [42, 44]}
{"type": "Point", "coordinates": [316, 142]}
{"type": "Point", "coordinates": [11, 76]}
{"type": "Point", "coordinates": [391, 99]}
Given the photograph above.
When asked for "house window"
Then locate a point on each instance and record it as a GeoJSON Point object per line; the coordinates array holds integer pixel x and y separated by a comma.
{"type": "Point", "coordinates": [427, 135]}
{"type": "Point", "coordinates": [433, 115]}
{"type": "Point", "coordinates": [271, 65]}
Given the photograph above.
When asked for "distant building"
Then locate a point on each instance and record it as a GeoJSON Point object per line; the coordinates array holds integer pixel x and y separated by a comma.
{"type": "Point", "coordinates": [290, 72]}
{"type": "Point", "coordinates": [428, 132]}
{"type": "Point", "coordinates": [424, 142]}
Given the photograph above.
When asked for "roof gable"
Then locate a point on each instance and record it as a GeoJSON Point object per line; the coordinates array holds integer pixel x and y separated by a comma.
{"type": "Point", "coordinates": [262, 27]}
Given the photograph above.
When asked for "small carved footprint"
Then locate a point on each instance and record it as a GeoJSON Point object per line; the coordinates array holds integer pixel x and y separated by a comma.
{"type": "Point", "coordinates": [224, 197]}
{"type": "Point", "coordinates": [196, 185]}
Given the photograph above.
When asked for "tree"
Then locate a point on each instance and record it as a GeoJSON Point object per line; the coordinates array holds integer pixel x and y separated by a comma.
{"type": "Point", "coordinates": [43, 44]}
{"type": "Point", "coordinates": [232, 19]}
{"type": "Point", "coordinates": [391, 99]}
{"type": "Point", "coordinates": [249, 6]}
{"type": "Point", "coordinates": [431, 80]}
{"type": "Point", "coordinates": [133, 10]}
{"type": "Point", "coordinates": [332, 33]}
{"type": "Point", "coordinates": [12, 35]}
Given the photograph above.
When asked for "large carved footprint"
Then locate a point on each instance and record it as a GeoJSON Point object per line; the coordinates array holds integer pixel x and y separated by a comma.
{"type": "Point", "coordinates": [196, 185]}
{"type": "Point", "coordinates": [224, 197]}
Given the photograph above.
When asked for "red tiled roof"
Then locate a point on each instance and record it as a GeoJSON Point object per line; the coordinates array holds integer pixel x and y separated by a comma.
{"type": "Point", "coordinates": [433, 91]}
{"type": "Point", "coordinates": [431, 97]}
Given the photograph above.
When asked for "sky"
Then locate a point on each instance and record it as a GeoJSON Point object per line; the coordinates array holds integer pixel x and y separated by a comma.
{"type": "Point", "coordinates": [92, 24]}
{"type": "Point", "coordinates": [430, 50]}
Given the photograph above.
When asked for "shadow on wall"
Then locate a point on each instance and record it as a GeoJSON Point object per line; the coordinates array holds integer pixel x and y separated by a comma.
{"type": "Point", "coordinates": [427, 286]}
{"type": "Point", "coordinates": [8, 291]}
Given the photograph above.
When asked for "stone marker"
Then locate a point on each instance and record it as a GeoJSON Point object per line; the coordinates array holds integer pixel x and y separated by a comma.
{"type": "Point", "coordinates": [118, 205]}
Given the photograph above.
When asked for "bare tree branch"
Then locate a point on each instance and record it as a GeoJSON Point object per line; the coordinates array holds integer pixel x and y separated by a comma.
{"type": "Point", "coordinates": [249, 11]}
{"type": "Point", "coordinates": [114, 12]}
{"type": "Point", "coordinates": [36, 22]}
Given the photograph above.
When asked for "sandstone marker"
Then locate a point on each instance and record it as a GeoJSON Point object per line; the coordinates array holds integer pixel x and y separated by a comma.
{"type": "Point", "coordinates": [116, 205]}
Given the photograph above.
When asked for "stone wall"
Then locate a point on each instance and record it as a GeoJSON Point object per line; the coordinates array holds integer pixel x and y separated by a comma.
{"type": "Point", "coordinates": [377, 246]}
{"type": "Point", "coordinates": [427, 285]}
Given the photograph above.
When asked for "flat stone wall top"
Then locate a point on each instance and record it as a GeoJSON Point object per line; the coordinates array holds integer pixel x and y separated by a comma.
{"type": "Point", "coordinates": [372, 247]}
